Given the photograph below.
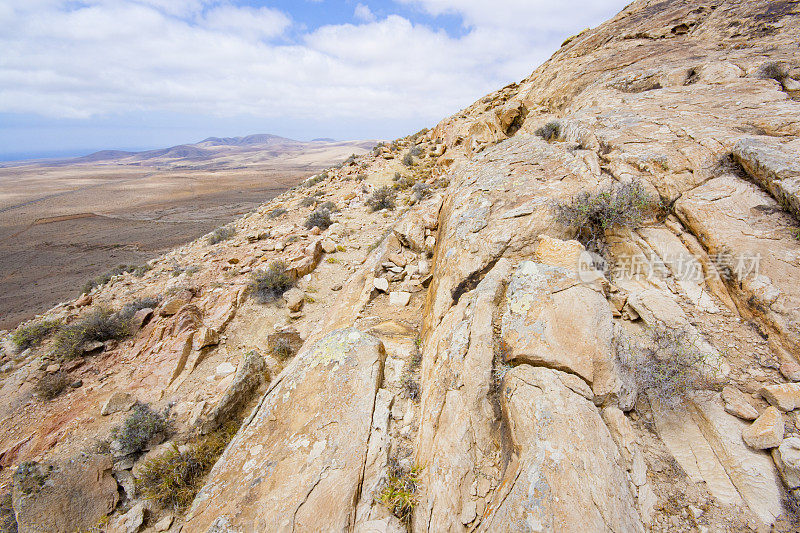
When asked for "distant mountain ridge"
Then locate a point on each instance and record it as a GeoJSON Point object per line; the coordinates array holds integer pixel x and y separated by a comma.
{"type": "Point", "coordinates": [207, 150]}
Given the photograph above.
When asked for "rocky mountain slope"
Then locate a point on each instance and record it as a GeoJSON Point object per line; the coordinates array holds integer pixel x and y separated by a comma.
{"type": "Point", "coordinates": [570, 307]}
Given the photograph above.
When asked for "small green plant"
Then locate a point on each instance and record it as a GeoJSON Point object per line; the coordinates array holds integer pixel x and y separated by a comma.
{"type": "Point", "coordinates": [277, 212]}
{"type": "Point", "coordinates": [332, 260]}
{"type": "Point", "coordinates": [382, 198]}
{"type": "Point", "coordinates": [404, 183]}
{"type": "Point", "coordinates": [620, 205]}
{"type": "Point", "coordinates": [361, 176]}
{"type": "Point", "coordinates": [313, 180]}
{"type": "Point", "coordinates": [220, 234]}
{"type": "Point", "coordinates": [550, 131]}
{"type": "Point", "coordinates": [282, 349]}
{"type": "Point", "coordinates": [320, 218]}
{"type": "Point", "coordinates": [268, 285]}
{"type": "Point", "coordinates": [32, 333]}
{"type": "Point", "coordinates": [340, 248]}
{"type": "Point", "coordinates": [399, 492]}
{"type": "Point", "coordinates": [796, 233]}
{"type": "Point", "coordinates": [408, 159]}
{"type": "Point", "coordinates": [173, 478]}
{"type": "Point", "coordinates": [100, 326]}
{"type": "Point", "coordinates": [8, 520]}
{"type": "Point", "coordinates": [141, 425]}
{"type": "Point", "coordinates": [50, 386]}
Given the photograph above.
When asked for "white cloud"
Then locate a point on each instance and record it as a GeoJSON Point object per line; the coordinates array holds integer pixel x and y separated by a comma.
{"type": "Point", "coordinates": [364, 13]}
{"type": "Point", "coordinates": [255, 23]}
{"type": "Point", "coordinates": [212, 58]}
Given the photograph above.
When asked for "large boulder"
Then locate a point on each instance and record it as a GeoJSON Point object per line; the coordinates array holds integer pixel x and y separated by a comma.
{"type": "Point", "coordinates": [566, 473]}
{"type": "Point", "coordinates": [297, 463]}
{"type": "Point", "coordinates": [65, 498]}
{"type": "Point", "coordinates": [251, 374]}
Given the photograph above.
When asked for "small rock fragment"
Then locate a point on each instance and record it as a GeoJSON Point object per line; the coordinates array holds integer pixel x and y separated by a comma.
{"type": "Point", "coordinates": [785, 396]}
{"type": "Point", "coordinates": [787, 459]}
{"type": "Point", "coordinates": [736, 404]}
{"type": "Point", "coordinates": [224, 369]}
{"type": "Point", "coordinates": [381, 284]}
{"type": "Point", "coordinates": [766, 431]}
{"type": "Point", "coordinates": [117, 403]}
{"type": "Point", "coordinates": [399, 298]}
{"type": "Point", "coordinates": [295, 298]}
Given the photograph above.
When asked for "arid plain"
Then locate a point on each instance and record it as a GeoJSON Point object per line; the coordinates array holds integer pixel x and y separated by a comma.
{"type": "Point", "coordinates": [65, 222]}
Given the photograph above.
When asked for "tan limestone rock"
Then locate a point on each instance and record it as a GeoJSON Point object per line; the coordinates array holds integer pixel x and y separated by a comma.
{"type": "Point", "coordinates": [766, 431]}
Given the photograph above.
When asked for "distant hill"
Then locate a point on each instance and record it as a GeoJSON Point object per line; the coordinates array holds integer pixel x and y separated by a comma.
{"type": "Point", "coordinates": [207, 153]}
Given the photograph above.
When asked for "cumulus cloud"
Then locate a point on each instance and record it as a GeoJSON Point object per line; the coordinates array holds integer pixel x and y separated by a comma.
{"type": "Point", "coordinates": [82, 59]}
{"type": "Point", "coordinates": [364, 13]}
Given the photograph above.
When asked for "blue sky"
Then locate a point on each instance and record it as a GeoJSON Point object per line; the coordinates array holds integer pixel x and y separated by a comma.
{"type": "Point", "coordinates": [80, 76]}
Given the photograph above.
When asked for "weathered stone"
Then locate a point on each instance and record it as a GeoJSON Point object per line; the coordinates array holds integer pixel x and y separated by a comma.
{"type": "Point", "coordinates": [411, 232]}
{"type": "Point", "coordinates": [164, 524]}
{"type": "Point", "coordinates": [52, 369]}
{"type": "Point", "coordinates": [553, 320]}
{"type": "Point", "coordinates": [141, 317]}
{"type": "Point", "coordinates": [118, 402]}
{"type": "Point", "coordinates": [83, 301]}
{"type": "Point", "coordinates": [73, 496]}
{"type": "Point", "coordinates": [328, 246]}
{"type": "Point", "coordinates": [399, 298]}
{"type": "Point", "coordinates": [205, 337]}
{"type": "Point", "coordinates": [790, 370]}
{"type": "Point", "coordinates": [173, 303]}
{"type": "Point", "coordinates": [294, 298]}
{"type": "Point", "coordinates": [737, 404]}
{"type": "Point", "coordinates": [225, 369]}
{"type": "Point", "coordinates": [787, 459]}
{"type": "Point", "coordinates": [785, 396]}
{"type": "Point", "coordinates": [776, 171]}
{"type": "Point", "coordinates": [311, 434]}
{"type": "Point", "coordinates": [569, 475]}
{"type": "Point", "coordinates": [381, 284]}
{"type": "Point", "coordinates": [557, 253]}
{"type": "Point", "coordinates": [766, 431]}
{"type": "Point", "coordinates": [706, 442]}
{"type": "Point", "coordinates": [251, 374]}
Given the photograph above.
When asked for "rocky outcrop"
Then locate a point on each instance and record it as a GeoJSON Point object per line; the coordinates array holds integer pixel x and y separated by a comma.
{"type": "Point", "coordinates": [301, 454]}
{"type": "Point", "coordinates": [471, 360]}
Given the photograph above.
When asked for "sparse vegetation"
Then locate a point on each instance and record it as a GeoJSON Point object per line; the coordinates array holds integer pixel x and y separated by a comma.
{"type": "Point", "coordinates": [621, 205]}
{"type": "Point", "coordinates": [313, 180]}
{"type": "Point", "coordinates": [130, 309]}
{"type": "Point", "coordinates": [550, 131]}
{"type": "Point", "coordinates": [173, 478]}
{"type": "Point", "coordinates": [50, 386]}
{"type": "Point", "coordinates": [277, 212]}
{"type": "Point", "coordinates": [668, 364]}
{"type": "Point", "coordinates": [403, 183]}
{"type": "Point", "coordinates": [399, 491]}
{"type": "Point", "coordinates": [320, 218]}
{"type": "Point", "coordinates": [31, 476]}
{"type": "Point", "coordinates": [382, 198]}
{"type": "Point", "coordinates": [796, 233]}
{"type": "Point", "coordinates": [309, 201]}
{"type": "Point", "coordinates": [270, 284]}
{"type": "Point", "coordinates": [420, 191]}
{"type": "Point", "coordinates": [189, 270]}
{"type": "Point", "coordinates": [8, 521]}
{"type": "Point", "coordinates": [141, 425]}
{"type": "Point", "coordinates": [32, 333]}
{"type": "Point", "coordinates": [223, 233]}
{"type": "Point", "coordinates": [282, 349]}
{"type": "Point", "coordinates": [100, 326]}
{"type": "Point", "coordinates": [136, 270]}
{"type": "Point", "coordinates": [330, 206]}
{"type": "Point", "coordinates": [774, 70]}
{"type": "Point", "coordinates": [408, 159]}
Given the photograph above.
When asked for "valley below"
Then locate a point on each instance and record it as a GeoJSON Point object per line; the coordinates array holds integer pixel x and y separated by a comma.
{"type": "Point", "coordinates": [64, 222]}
